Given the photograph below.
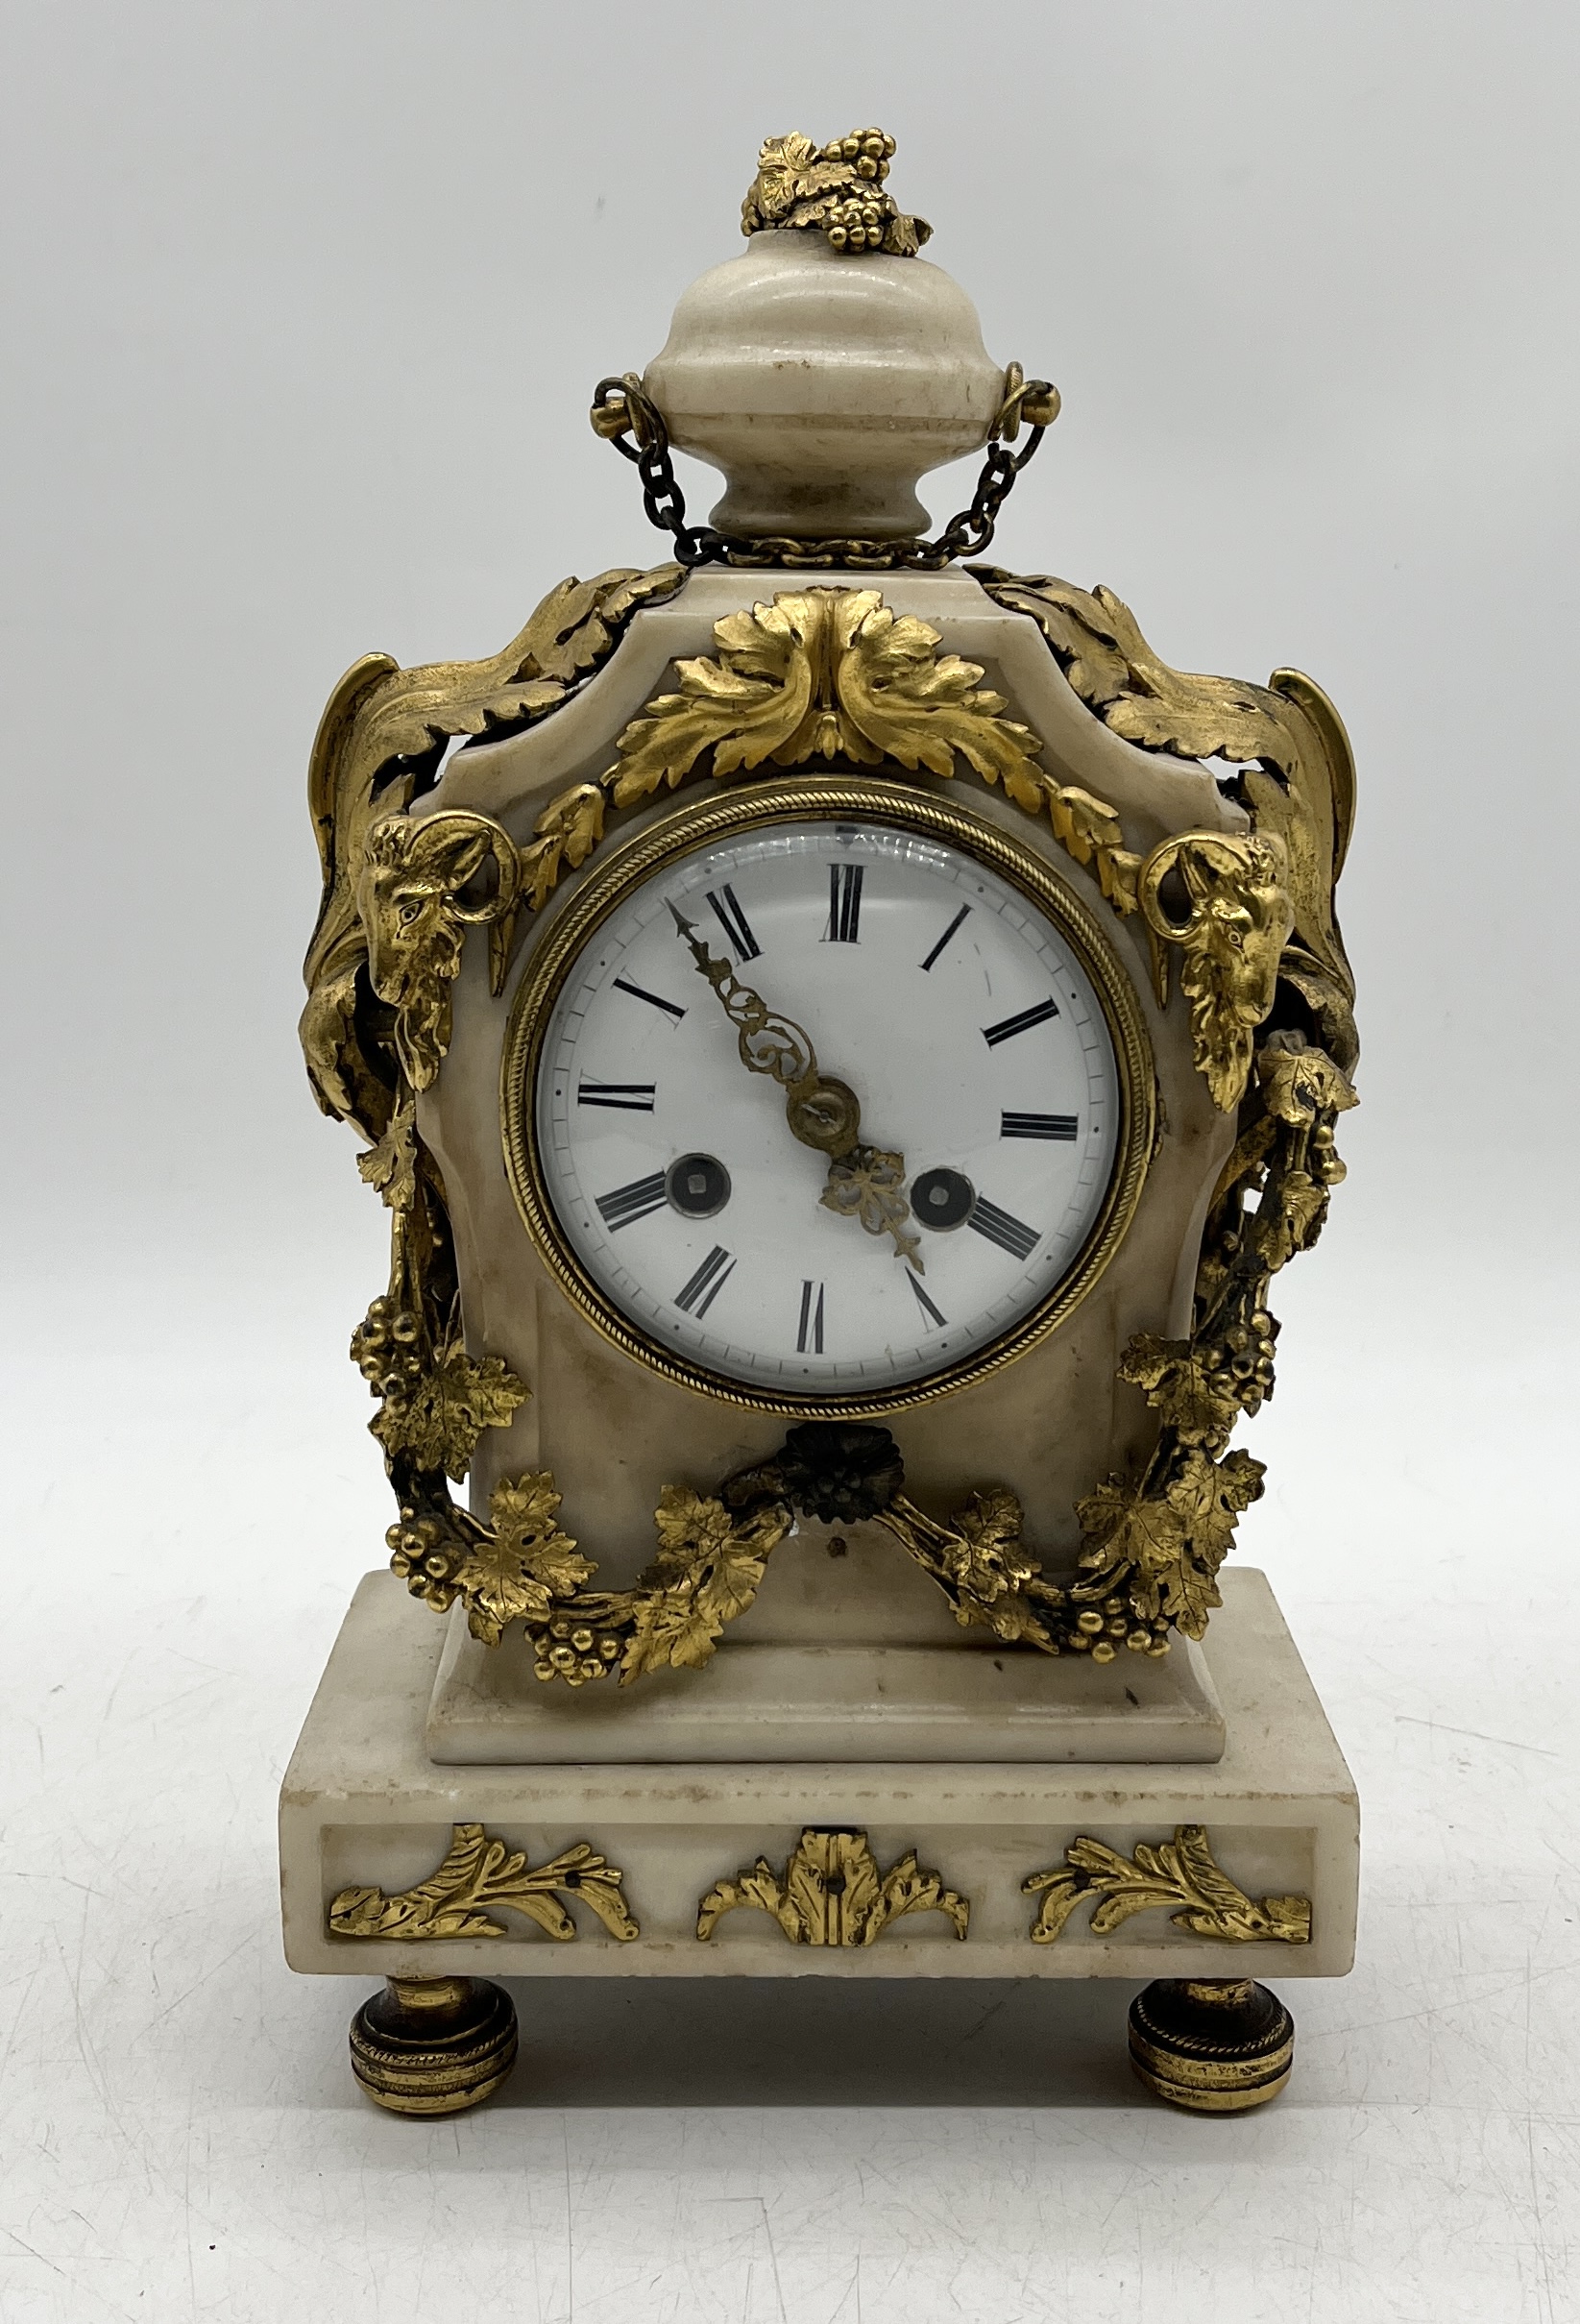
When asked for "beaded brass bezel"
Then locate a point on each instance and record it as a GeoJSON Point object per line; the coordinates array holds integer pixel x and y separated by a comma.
{"type": "Point", "coordinates": [814, 800]}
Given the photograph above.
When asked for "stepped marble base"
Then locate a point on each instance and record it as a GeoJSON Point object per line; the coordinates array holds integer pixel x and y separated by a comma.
{"type": "Point", "coordinates": [364, 1809]}
{"type": "Point", "coordinates": [782, 1702]}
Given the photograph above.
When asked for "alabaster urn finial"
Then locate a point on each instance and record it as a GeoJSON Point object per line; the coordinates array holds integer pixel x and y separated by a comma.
{"type": "Point", "coordinates": [830, 368]}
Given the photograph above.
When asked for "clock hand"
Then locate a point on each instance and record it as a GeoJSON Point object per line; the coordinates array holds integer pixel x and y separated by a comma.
{"type": "Point", "coordinates": [868, 1184]}
{"type": "Point", "coordinates": [864, 1182]}
{"type": "Point", "coordinates": [820, 1112]}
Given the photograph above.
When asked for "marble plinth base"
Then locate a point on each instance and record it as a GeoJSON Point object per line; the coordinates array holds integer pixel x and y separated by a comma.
{"type": "Point", "coordinates": [799, 1702]}
{"type": "Point", "coordinates": [363, 1807]}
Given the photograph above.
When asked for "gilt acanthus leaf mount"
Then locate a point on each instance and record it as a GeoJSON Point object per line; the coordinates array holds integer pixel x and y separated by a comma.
{"type": "Point", "coordinates": [1182, 1873]}
{"type": "Point", "coordinates": [480, 1874]}
{"type": "Point", "coordinates": [832, 1891]}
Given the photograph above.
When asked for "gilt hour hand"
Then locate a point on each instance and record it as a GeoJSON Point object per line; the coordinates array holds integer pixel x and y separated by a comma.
{"type": "Point", "coordinates": [864, 1182]}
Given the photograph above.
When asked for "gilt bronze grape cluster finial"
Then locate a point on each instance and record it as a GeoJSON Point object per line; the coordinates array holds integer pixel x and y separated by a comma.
{"type": "Point", "coordinates": [837, 188]}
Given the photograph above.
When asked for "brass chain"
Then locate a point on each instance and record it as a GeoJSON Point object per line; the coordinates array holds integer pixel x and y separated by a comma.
{"type": "Point", "coordinates": [622, 410]}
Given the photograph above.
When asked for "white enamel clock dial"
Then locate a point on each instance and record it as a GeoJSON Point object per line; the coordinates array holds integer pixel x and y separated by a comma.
{"type": "Point", "coordinates": [957, 1009]}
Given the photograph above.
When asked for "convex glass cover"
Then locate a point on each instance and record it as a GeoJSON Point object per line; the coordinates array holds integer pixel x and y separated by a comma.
{"type": "Point", "coordinates": [827, 1103]}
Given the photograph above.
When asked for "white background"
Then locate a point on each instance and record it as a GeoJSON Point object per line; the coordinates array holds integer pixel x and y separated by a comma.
{"type": "Point", "coordinates": [302, 307]}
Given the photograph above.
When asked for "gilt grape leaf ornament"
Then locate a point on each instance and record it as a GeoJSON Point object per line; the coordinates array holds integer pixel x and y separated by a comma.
{"type": "Point", "coordinates": [826, 673]}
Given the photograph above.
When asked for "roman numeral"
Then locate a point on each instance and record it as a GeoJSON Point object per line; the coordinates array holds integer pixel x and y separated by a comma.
{"type": "Point", "coordinates": [1010, 1233]}
{"type": "Point", "coordinates": [1038, 1125]}
{"type": "Point", "coordinates": [844, 904]}
{"type": "Point", "coordinates": [625, 1098]}
{"type": "Point", "coordinates": [654, 1000]}
{"type": "Point", "coordinates": [1007, 1027]}
{"type": "Point", "coordinates": [627, 1202]}
{"type": "Point", "coordinates": [707, 1283]}
{"type": "Point", "coordinates": [726, 909]}
{"type": "Point", "coordinates": [812, 1320]}
{"type": "Point", "coordinates": [964, 913]}
{"type": "Point", "coordinates": [923, 1302]}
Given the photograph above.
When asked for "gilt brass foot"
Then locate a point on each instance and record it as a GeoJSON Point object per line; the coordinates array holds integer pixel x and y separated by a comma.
{"type": "Point", "coordinates": [1217, 2045]}
{"type": "Point", "coordinates": [433, 2045]}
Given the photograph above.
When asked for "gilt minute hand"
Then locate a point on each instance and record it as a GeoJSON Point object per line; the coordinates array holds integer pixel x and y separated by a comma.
{"type": "Point", "coordinates": [820, 1112]}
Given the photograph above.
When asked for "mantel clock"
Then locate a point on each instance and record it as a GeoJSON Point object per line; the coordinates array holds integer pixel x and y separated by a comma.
{"type": "Point", "coordinates": [845, 1037]}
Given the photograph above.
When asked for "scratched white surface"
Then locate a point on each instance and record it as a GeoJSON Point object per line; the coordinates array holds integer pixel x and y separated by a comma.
{"type": "Point", "coordinates": [302, 307]}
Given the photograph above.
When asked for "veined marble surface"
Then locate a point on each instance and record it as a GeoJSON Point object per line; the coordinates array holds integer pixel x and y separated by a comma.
{"type": "Point", "coordinates": [824, 386]}
{"type": "Point", "coordinates": [839, 1691]}
{"type": "Point", "coordinates": [363, 1804]}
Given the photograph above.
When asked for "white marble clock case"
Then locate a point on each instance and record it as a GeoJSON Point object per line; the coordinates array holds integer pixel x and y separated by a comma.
{"type": "Point", "coordinates": [847, 1695]}
{"type": "Point", "coordinates": [1051, 1426]}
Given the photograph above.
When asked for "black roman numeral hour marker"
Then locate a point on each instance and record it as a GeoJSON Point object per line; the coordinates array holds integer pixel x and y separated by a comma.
{"type": "Point", "coordinates": [627, 1202]}
{"type": "Point", "coordinates": [844, 904]}
{"type": "Point", "coordinates": [1038, 1125]}
{"type": "Point", "coordinates": [811, 1331]}
{"type": "Point", "coordinates": [707, 1283]}
{"type": "Point", "coordinates": [726, 909]}
{"type": "Point", "coordinates": [923, 1302]}
{"type": "Point", "coordinates": [654, 1000]}
{"type": "Point", "coordinates": [964, 913]}
{"type": "Point", "coordinates": [627, 1097]}
{"type": "Point", "coordinates": [1001, 1227]}
{"type": "Point", "coordinates": [1009, 1026]}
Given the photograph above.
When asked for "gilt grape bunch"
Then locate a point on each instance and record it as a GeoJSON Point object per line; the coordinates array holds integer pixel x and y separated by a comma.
{"type": "Point", "coordinates": [856, 225]}
{"type": "Point", "coordinates": [421, 1551]}
{"type": "Point", "coordinates": [1102, 1632]}
{"type": "Point", "coordinates": [572, 1650]}
{"type": "Point", "coordinates": [861, 221]}
{"type": "Point", "coordinates": [387, 1350]}
{"type": "Point", "coordinates": [1242, 1361]}
{"type": "Point", "coordinates": [868, 152]}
